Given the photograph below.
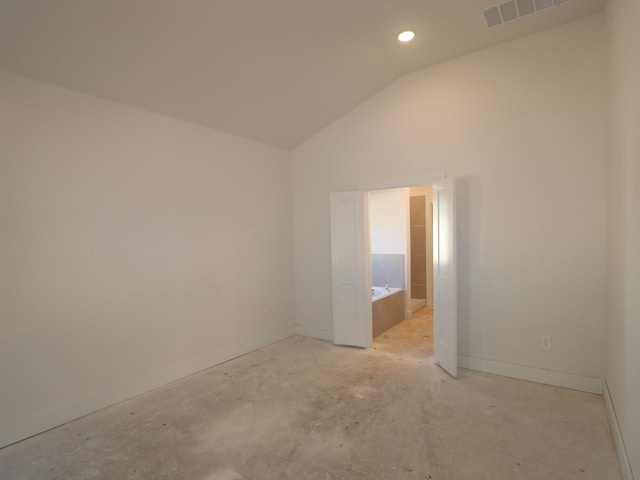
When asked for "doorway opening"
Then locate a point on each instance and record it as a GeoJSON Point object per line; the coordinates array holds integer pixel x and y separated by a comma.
{"type": "Point", "coordinates": [351, 270]}
{"type": "Point", "coordinates": [401, 266]}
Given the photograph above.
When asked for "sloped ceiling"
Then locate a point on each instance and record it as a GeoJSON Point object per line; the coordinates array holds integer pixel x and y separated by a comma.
{"type": "Point", "coordinates": [276, 71]}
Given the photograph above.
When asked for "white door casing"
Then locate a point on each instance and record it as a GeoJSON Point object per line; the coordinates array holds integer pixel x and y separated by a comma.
{"type": "Point", "coordinates": [350, 266]}
{"type": "Point", "coordinates": [445, 316]}
{"type": "Point", "coordinates": [350, 269]}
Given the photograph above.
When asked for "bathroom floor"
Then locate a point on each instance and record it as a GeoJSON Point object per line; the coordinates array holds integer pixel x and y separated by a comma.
{"type": "Point", "coordinates": [306, 409]}
{"type": "Point", "coordinates": [412, 337]}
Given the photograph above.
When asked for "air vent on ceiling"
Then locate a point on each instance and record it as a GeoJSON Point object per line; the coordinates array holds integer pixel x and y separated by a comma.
{"type": "Point", "coordinates": [525, 7]}
{"type": "Point", "coordinates": [542, 4]}
{"type": "Point", "coordinates": [514, 9]}
{"type": "Point", "coordinates": [508, 11]}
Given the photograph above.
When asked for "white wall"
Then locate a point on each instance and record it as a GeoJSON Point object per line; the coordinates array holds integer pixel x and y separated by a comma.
{"type": "Point", "coordinates": [623, 279]}
{"type": "Point", "coordinates": [135, 249]}
{"type": "Point", "coordinates": [388, 221]}
{"type": "Point", "coordinates": [522, 126]}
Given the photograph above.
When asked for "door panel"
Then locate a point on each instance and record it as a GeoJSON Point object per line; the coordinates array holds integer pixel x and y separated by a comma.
{"type": "Point", "coordinates": [350, 269]}
{"type": "Point", "coordinates": [445, 316]}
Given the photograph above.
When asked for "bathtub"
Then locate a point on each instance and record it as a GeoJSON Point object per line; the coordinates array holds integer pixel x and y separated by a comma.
{"type": "Point", "coordinates": [380, 292]}
{"type": "Point", "coordinates": [387, 308]}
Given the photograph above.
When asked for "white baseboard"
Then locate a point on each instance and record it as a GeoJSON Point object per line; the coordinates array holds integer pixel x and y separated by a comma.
{"type": "Point", "coordinates": [618, 439]}
{"type": "Point", "coordinates": [313, 332]}
{"type": "Point", "coordinates": [418, 306]}
{"type": "Point", "coordinates": [24, 427]}
{"type": "Point", "coordinates": [539, 375]}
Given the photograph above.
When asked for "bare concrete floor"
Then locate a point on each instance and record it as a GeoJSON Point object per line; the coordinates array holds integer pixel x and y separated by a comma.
{"type": "Point", "coordinates": [306, 409]}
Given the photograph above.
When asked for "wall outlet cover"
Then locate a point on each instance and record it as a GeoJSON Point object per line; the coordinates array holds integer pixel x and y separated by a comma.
{"type": "Point", "coordinates": [545, 342]}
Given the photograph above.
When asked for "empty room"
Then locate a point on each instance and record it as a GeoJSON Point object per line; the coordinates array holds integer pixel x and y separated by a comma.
{"type": "Point", "coordinates": [190, 234]}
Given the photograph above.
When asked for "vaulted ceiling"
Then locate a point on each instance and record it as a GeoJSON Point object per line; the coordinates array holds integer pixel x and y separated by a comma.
{"type": "Point", "coordinates": [276, 71]}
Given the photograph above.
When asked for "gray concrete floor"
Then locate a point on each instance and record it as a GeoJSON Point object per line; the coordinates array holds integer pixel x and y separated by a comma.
{"type": "Point", "coordinates": [306, 409]}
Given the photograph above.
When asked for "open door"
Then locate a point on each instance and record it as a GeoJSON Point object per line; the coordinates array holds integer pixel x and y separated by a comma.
{"type": "Point", "coordinates": [350, 269]}
{"type": "Point", "coordinates": [445, 314]}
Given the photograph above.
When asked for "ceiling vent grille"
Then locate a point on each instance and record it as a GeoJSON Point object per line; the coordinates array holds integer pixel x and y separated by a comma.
{"type": "Point", "coordinates": [514, 9]}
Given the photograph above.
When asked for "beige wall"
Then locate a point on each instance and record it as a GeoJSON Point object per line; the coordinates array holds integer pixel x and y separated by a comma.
{"type": "Point", "coordinates": [135, 249]}
{"type": "Point", "coordinates": [623, 279]}
{"type": "Point", "coordinates": [522, 126]}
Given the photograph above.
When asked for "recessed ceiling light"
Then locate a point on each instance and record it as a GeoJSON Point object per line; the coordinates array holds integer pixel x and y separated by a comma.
{"type": "Point", "coordinates": [406, 36]}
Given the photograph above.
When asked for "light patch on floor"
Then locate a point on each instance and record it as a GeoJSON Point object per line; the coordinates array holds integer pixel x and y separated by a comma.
{"type": "Point", "coordinates": [226, 475]}
{"type": "Point", "coordinates": [243, 425]}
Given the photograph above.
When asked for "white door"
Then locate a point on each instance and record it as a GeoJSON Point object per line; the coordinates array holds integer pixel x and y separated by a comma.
{"type": "Point", "coordinates": [350, 269]}
{"type": "Point", "coordinates": [445, 315]}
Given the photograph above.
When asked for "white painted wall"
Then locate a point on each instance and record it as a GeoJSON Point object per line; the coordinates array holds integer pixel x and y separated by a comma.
{"type": "Point", "coordinates": [522, 125]}
{"type": "Point", "coordinates": [134, 249]}
{"type": "Point", "coordinates": [623, 279]}
{"type": "Point", "coordinates": [388, 221]}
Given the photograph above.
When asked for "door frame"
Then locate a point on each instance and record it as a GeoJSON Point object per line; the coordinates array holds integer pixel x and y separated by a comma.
{"type": "Point", "coordinates": [403, 182]}
{"type": "Point", "coordinates": [412, 181]}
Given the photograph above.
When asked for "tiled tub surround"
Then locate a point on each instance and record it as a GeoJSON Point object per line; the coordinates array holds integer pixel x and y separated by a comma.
{"type": "Point", "coordinates": [387, 269]}
{"type": "Point", "coordinates": [418, 247]}
{"type": "Point", "coordinates": [387, 310]}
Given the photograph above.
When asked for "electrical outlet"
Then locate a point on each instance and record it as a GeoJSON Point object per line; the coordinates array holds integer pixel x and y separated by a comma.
{"type": "Point", "coordinates": [545, 342]}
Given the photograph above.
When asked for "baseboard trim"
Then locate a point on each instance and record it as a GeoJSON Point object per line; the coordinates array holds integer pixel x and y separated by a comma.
{"type": "Point", "coordinates": [539, 375]}
{"type": "Point", "coordinates": [25, 427]}
{"type": "Point", "coordinates": [313, 332]}
{"type": "Point", "coordinates": [618, 439]}
{"type": "Point", "coordinates": [418, 305]}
